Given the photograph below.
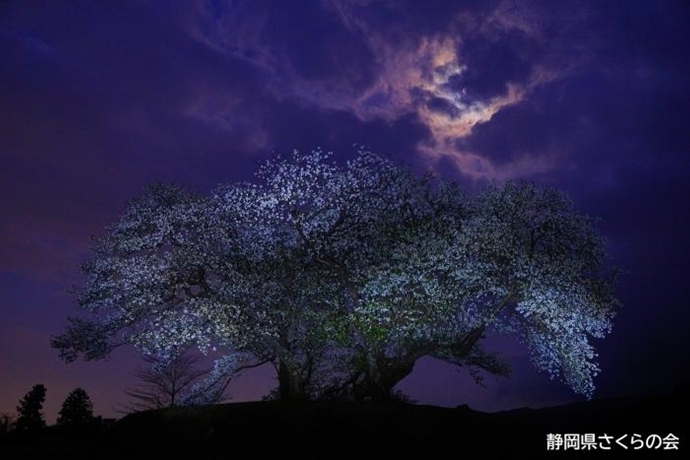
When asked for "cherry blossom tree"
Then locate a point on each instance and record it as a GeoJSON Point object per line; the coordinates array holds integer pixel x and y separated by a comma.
{"type": "Point", "coordinates": [545, 263]}
{"type": "Point", "coordinates": [343, 276]}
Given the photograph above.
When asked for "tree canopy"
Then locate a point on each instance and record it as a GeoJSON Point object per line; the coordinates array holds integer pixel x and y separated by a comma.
{"type": "Point", "coordinates": [30, 410]}
{"type": "Point", "coordinates": [343, 276]}
{"type": "Point", "coordinates": [76, 410]}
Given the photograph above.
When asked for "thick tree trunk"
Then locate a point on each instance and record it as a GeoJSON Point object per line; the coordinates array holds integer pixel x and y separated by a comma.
{"type": "Point", "coordinates": [380, 376]}
{"type": "Point", "coordinates": [290, 383]}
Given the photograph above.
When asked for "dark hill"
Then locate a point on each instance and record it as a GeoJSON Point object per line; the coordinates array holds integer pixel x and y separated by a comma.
{"type": "Point", "coordinates": [347, 430]}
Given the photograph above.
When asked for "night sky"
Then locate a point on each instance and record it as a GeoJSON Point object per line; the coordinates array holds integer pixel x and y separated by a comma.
{"type": "Point", "coordinates": [99, 99]}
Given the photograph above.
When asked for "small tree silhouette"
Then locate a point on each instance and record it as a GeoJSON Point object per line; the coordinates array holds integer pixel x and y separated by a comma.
{"type": "Point", "coordinates": [164, 382]}
{"type": "Point", "coordinates": [30, 410]}
{"type": "Point", "coordinates": [77, 409]}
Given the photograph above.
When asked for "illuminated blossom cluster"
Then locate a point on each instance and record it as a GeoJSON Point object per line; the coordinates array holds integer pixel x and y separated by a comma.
{"type": "Point", "coordinates": [343, 276]}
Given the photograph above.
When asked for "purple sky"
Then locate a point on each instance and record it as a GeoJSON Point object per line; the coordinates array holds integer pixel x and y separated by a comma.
{"type": "Point", "coordinates": [98, 99]}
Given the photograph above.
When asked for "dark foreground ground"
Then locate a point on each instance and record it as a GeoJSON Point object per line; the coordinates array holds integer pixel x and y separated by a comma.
{"type": "Point", "coordinates": [359, 431]}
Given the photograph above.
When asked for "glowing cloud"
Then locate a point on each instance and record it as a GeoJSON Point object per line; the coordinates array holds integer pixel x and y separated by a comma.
{"type": "Point", "coordinates": [420, 76]}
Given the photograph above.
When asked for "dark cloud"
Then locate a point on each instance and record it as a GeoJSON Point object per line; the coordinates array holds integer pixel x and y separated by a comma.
{"type": "Point", "coordinates": [409, 20]}
{"type": "Point", "coordinates": [318, 45]}
{"type": "Point", "coordinates": [617, 109]}
{"type": "Point", "coordinates": [442, 105]}
{"type": "Point", "coordinates": [493, 61]}
{"type": "Point", "coordinates": [561, 117]}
